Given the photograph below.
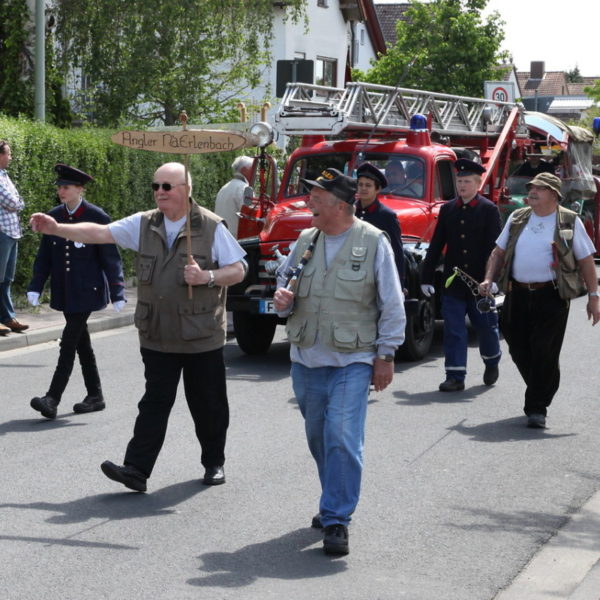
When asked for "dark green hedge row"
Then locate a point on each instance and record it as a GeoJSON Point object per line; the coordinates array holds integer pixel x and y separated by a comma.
{"type": "Point", "coordinates": [121, 176]}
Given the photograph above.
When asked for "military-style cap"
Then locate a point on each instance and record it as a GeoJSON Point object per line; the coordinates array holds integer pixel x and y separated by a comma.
{"type": "Point", "coordinates": [66, 175]}
{"type": "Point", "coordinates": [465, 167]}
{"type": "Point", "coordinates": [372, 172]}
{"type": "Point", "coordinates": [547, 180]}
{"type": "Point", "coordinates": [336, 182]}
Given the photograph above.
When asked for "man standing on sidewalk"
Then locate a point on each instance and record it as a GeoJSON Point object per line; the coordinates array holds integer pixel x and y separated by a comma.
{"type": "Point", "coordinates": [11, 204]}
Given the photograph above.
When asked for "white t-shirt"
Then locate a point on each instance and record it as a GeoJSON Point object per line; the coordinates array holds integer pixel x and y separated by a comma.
{"type": "Point", "coordinates": [532, 262]}
{"type": "Point", "coordinates": [225, 249]}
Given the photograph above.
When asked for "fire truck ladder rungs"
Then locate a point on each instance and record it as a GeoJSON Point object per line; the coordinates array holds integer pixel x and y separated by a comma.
{"type": "Point", "coordinates": [308, 109]}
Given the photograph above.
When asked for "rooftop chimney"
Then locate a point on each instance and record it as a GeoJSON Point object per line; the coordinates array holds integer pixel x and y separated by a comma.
{"type": "Point", "coordinates": [537, 69]}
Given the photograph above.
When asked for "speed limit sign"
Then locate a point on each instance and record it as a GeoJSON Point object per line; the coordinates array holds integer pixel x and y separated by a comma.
{"type": "Point", "coordinates": [499, 94]}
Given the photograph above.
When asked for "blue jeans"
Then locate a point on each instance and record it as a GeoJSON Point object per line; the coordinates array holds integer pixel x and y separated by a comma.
{"type": "Point", "coordinates": [333, 402]}
{"type": "Point", "coordinates": [8, 263]}
{"type": "Point", "coordinates": [456, 337]}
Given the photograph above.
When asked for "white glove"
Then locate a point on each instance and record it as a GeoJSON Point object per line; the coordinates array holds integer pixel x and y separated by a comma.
{"type": "Point", "coordinates": [494, 288]}
{"type": "Point", "coordinates": [33, 298]}
{"type": "Point", "coordinates": [118, 305]}
{"type": "Point", "coordinates": [428, 290]}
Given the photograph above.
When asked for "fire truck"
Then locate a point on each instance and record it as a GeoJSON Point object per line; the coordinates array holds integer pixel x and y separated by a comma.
{"type": "Point", "coordinates": [425, 132]}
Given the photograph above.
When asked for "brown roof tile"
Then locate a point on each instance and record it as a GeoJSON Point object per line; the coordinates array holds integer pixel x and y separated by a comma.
{"type": "Point", "coordinates": [389, 15]}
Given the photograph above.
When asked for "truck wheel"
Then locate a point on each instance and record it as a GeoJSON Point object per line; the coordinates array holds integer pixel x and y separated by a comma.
{"type": "Point", "coordinates": [254, 333]}
{"type": "Point", "coordinates": [419, 332]}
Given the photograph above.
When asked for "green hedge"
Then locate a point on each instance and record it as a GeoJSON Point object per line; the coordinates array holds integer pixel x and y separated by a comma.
{"type": "Point", "coordinates": [122, 176]}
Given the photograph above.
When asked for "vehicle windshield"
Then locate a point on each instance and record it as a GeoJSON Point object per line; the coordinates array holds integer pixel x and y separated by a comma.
{"type": "Point", "coordinates": [310, 167]}
{"type": "Point", "coordinates": [405, 174]}
{"type": "Point", "coordinates": [517, 185]}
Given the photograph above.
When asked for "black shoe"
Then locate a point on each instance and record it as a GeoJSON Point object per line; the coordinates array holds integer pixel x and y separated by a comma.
{"type": "Point", "coordinates": [214, 476]}
{"type": "Point", "coordinates": [490, 375]}
{"type": "Point", "coordinates": [316, 522]}
{"type": "Point", "coordinates": [452, 385]}
{"type": "Point", "coordinates": [130, 477]}
{"type": "Point", "coordinates": [536, 421]}
{"type": "Point", "coordinates": [46, 405]}
{"type": "Point", "coordinates": [90, 404]}
{"type": "Point", "coordinates": [335, 539]}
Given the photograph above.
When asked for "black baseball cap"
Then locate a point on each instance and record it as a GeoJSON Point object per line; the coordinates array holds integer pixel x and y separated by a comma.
{"type": "Point", "coordinates": [336, 182]}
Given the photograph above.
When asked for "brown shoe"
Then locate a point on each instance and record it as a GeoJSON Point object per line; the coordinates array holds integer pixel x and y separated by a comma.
{"type": "Point", "coordinates": [4, 330]}
{"type": "Point", "coordinates": [15, 326]}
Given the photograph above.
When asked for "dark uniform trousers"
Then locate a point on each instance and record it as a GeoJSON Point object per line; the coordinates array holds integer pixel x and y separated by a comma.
{"type": "Point", "coordinates": [533, 324]}
{"type": "Point", "coordinates": [206, 395]}
{"type": "Point", "coordinates": [75, 339]}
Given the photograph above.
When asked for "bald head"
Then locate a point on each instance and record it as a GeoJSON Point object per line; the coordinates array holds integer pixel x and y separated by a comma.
{"type": "Point", "coordinates": [172, 202]}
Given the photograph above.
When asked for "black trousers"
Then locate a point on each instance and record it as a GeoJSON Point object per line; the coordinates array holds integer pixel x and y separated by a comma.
{"type": "Point", "coordinates": [206, 395]}
{"type": "Point", "coordinates": [533, 324]}
{"type": "Point", "coordinates": [75, 339]}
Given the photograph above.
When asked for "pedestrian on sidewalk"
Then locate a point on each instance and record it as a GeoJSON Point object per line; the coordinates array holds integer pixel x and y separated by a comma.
{"type": "Point", "coordinates": [541, 257]}
{"type": "Point", "coordinates": [345, 319]}
{"type": "Point", "coordinates": [11, 204]}
{"type": "Point", "coordinates": [178, 334]}
{"type": "Point", "coordinates": [467, 227]}
{"type": "Point", "coordinates": [83, 278]}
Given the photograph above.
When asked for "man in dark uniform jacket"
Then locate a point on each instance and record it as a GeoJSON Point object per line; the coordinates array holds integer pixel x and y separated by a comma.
{"type": "Point", "coordinates": [368, 208]}
{"type": "Point", "coordinates": [468, 227]}
{"type": "Point", "coordinates": [83, 278]}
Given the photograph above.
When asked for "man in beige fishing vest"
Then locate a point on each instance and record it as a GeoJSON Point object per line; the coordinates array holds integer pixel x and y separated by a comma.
{"type": "Point", "coordinates": [345, 319]}
{"type": "Point", "coordinates": [178, 335]}
{"type": "Point", "coordinates": [541, 256]}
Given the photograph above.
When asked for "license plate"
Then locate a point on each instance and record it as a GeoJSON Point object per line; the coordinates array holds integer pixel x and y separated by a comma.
{"type": "Point", "coordinates": [265, 307]}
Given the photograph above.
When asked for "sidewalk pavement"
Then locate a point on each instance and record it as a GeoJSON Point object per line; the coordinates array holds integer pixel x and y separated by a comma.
{"type": "Point", "coordinates": [566, 567]}
{"type": "Point", "coordinates": [46, 325]}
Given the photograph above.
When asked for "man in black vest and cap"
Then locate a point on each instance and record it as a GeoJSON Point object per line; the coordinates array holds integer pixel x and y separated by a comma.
{"type": "Point", "coordinates": [368, 208]}
{"type": "Point", "coordinates": [468, 227]}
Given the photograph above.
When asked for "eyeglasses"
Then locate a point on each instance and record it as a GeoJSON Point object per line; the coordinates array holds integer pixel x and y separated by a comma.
{"type": "Point", "coordinates": [165, 186]}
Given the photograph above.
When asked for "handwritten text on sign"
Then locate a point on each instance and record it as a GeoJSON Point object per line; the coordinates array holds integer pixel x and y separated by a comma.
{"type": "Point", "coordinates": [191, 141]}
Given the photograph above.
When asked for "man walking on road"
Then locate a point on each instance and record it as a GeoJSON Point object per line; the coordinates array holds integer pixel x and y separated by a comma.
{"type": "Point", "coordinates": [345, 319]}
{"type": "Point", "coordinates": [178, 335]}
{"type": "Point", "coordinates": [539, 256]}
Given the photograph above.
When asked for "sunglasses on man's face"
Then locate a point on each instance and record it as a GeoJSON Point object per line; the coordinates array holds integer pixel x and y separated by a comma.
{"type": "Point", "coordinates": [165, 186]}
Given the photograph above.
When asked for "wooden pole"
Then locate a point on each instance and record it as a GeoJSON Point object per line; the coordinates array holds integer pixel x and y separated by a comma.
{"type": "Point", "coordinates": [188, 226]}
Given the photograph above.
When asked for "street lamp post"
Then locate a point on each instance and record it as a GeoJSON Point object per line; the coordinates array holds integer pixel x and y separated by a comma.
{"type": "Point", "coordinates": [40, 60]}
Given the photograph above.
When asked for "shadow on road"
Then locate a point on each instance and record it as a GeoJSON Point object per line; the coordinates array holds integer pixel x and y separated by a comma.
{"type": "Point", "coordinates": [35, 425]}
{"type": "Point", "coordinates": [285, 557]}
{"type": "Point", "coordinates": [506, 430]}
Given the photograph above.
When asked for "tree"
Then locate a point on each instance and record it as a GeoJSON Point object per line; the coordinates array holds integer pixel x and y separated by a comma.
{"type": "Point", "coordinates": [574, 76]}
{"type": "Point", "coordinates": [444, 46]}
{"type": "Point", "coordinates": [148, 59]}
{"type": "Point", "coordinates": [593, 91]}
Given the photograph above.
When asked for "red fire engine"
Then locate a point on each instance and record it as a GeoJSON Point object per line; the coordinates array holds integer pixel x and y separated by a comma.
{"type": "Point", "coordinates": [423, 131]}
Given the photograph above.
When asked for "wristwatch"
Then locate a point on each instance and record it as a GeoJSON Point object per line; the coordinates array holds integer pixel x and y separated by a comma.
{"type": "Point", "coordinates": [386, 357]}
{"type": "Point", "coordinates": [211, 279]}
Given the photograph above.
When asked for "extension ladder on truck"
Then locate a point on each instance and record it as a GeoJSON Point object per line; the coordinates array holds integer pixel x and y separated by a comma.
{"type": "Point", "coordinates": [308, 109]}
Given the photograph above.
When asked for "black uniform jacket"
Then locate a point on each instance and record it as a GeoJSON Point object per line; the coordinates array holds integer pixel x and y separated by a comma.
{"type": "Point", "coordinates": [83, 277]}
{"type": "Point", "coordinates": [469, 233]}
{"type": "Point", "coordinates": [385, 218]}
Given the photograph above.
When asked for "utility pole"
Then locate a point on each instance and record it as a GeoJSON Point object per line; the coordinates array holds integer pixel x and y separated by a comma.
{"type": "Point", "coordinates": [40, 60]}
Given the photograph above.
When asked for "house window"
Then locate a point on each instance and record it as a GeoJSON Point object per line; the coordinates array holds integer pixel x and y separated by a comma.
{"type": "Point", "coordinates": [326, 71]}
{"type": "Point", "coordinates": [323, 3]}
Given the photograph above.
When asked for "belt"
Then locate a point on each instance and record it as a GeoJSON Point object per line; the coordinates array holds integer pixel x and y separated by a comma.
{"type": "Point", "coordinates": [534, 286]}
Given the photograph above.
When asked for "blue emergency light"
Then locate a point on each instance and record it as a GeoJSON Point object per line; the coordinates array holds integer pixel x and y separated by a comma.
{"type": "Point", "coordinates": [418, 123]}
{"type": "Point", "coordinates": [596, 125]}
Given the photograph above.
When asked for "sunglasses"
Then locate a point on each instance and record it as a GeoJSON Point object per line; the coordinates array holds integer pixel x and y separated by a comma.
{"type": "Point", "coordinates": [165, 186]}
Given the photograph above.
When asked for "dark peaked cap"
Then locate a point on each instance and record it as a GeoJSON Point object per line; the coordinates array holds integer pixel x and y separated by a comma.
{"type": "Point", "coordinates": [66, 175]}
{"type": "Point", "coordinates": [372, 172]}
{"type": "Point", "coordinates": [467, 167]}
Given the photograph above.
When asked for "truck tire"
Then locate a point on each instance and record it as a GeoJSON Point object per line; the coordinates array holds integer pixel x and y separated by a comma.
{"type": "Point", "coordinates": [254, 333]}
{"type": "Point", "coordinates": [418, 335]}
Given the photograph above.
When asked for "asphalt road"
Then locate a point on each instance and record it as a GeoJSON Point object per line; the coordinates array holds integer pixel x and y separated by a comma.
{"type": "Point", "coordinates": [458, 495]}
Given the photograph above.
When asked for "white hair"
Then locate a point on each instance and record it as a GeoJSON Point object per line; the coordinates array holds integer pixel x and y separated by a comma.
{"type": "Point", "coordinates": [241, 163]}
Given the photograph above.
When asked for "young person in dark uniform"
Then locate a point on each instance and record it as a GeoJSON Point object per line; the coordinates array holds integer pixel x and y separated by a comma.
{"type": "Point", "coordinates": [368, 208]}
{"type": "Point", "coordinates": [83, 278]}
{"type": "Point", "coordinates": [468, 227]}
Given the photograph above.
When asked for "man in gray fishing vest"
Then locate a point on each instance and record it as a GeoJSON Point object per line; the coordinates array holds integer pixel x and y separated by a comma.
{"type": "Point", "coordinates": [345, 319]}
{"type": "Point", "coordinates": [178, 334]}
